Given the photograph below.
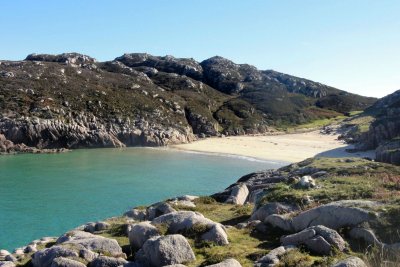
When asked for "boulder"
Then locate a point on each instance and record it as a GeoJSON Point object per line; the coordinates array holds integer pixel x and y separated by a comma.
{"type": "Point", "coordinates": [271, 208]}
{"type": "Point", "coordinates": [89, 227]}
{"type": "Point", "coordinates": [158, 209]}
{"type": "Point", "coordinates": [280, 221]}
{"type": "Point", "coordinates": [45, 257]}
{"type": "Point", "coordinates": [11, 257]}
{"type": "Point", "coordinates": [182, 221]}
{"type": "Point", "coordinates": [367, 235]}
{"type": "Point", "coordinates": [318, 245]}
{"type": "Point", "coordinates": [272, 258]}
{"type": "Point", "coordinates": [98, 244]}
{"type": "Point", "coordinates": [3, 254]}
{"type": "Point", "coordinates": [104, 261]}
{"type": "Point", "coordinates": [319, 239]}
{"type": "Point", "coordinates": [216, 234]}
{"type": "Point", "coordinates": [306, 182]}
{"type": "Point", "coordinates": [164, 250]}
{"type": "Point", "coordinates": [140, 232]}
{"type": "Point", "coordinates": [65, 262]}
{"type": "Point", "coordinates": [334, 215]}
{"type": "Point", "coordinates": [238, 195]}
{"type": "Point", "coordinates": [351, 262]}
{"type": "Point", "coordinates": [183, 203]}
{"type": "Point", "coordinates": [101, 226]}
{"type": "Point", "coordinates": [136, 214]}
{"type": "Point", "coordinates": [74, 235]}
{"type": "Point", "coordinates": [227, 263]}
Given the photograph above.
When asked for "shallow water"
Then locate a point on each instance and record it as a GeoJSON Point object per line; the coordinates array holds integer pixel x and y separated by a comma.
{"type": "Point", "coordinates": [46, 195]}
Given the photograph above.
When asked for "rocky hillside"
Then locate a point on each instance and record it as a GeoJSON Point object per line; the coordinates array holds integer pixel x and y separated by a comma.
{"type": "Point", "coordinates": [341, 212]}
{"type": "Point", "coordinates": [379, 128]}
{"type": "Point", "coordinates": [73, 101]}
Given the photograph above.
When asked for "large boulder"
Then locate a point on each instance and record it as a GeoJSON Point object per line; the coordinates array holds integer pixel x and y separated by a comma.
{"type": "Point", "coordinates": [319, 239]}
{"type": "Point", "coordinates": [65, 262]}
{"type": "Point", "coordinates": [158, 209]}
{"type": "Point", "coordinates": [351, 262]}
{"type": "Point", "coordinates": [165, 250]}
{"type": "Point", "coordinates": [227, 263]}
{"type": "Point", "coordinates": [136, 214]}
{"type": "Point", "coordinates": [104, 261]}
{"type": "Point", "coordinates": [45, 257]}
{"type": "Point", "coordinates": [334, 215]}
{"type": "Point", "coordinates": [238, 195]}
{"type": "Point", "coordinates": [74, 235]}
{"type": "Point", "coordinates": [271, 208]}
{"type": "Point", "coordinates": [140, 232]}
{"type": "Point", "coordinates": [183, 221]}
{"type": "Point", "coordinates": [272, 258]}
{"type": "Point", "coordinates": [99, 244]}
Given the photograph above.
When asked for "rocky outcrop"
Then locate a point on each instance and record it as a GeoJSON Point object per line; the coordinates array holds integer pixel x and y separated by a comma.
{"type": "Point", "coordinates": [165, 250]}
{"type": "Point", "coordinates": [185, 221]}
{"type": "Point", "coordinates": [73, 59]}
{"type": "Point", "coordinates": [334, 215]}
{"type": "Point", "coordinates": [318, 239]}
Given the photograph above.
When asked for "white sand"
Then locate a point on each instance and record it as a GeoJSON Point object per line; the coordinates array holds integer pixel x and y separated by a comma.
{"type": "Point", "coordinates": [287, 147]}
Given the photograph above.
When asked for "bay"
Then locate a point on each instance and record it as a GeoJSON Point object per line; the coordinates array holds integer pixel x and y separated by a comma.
{"type": "Point", "coordinates": [48, 194]}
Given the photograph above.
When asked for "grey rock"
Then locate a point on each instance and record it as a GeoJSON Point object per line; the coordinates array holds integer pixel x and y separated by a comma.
{"type": "Point", "coordinates": [98, 244]}
{"type": "Point", "coordinates": [101, 226]}
{"type": "Point", "coordinates": [334, 215]}
{"type": "Point", "coordinates": [367, 235]}
{"type": "Point", "coordinates": [158, 209]}
{"type": "Point", "coordinates": [65, 262]}
{"type": "Point", "coordinates": [350, 262]}
{"type": "Point", "coordinates": [280, 221]}
{"type": "Point", "coordinates": [271, 208]}
{"type": "Point", "coordinates": [74, 235]}
{"type": "Point", "coordinates": [3, 254]}
{"type": "Point", "coordinates": [272, 258]}
{"type": "Point", "coordinates": [238, 195]}
{"type": "Point", "coordinates": [216, 234]}
{"type": "Point", "coordinates": [298, 238]}
{"type": "Point", "coordinates": [104, 261]}
{"type": "Point", "coordinates": [140, 232]}
{"type": "Point", "coordinates": [45, 257]}
{"type": "Point", "coordinates": [136, 214]}
{"type": "Point", "coordinates": [90, 227]}
{"type": "Point", "coordinates": [227, 263]}
{"type": "Point", "coordinates": [319, 245]}
{"type": "Point", "coordinates": [10, 257]}
{"type": "Point", "coordinates": [165, 250]}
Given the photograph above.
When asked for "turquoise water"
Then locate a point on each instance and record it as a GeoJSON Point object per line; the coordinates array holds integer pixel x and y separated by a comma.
{"type": "Point", "coordinates": [46, 195]}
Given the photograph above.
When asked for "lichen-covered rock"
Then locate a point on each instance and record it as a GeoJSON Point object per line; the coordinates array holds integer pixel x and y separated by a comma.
{"type": "Point", "coordinates": [271, 208]}
{"type": "Point", "coordinates": [140, 232]}
{"type": "Point", "coordinates": [238, 195]}
{"type": "Point", "coordinates": [165, 250]}
{"type": "Point", "coordinates": [272, 258]}
{"type": "Point", "coordinates": [351, 262]}
{"type": "Point", "coordinates": [104, 261]}
{"type": "Point", "coordinates": [182, 221]}
{"type": "Point", "coordinates": [45, 257]}
{"type": "Point", "coordinates": [65, 262]}
{"type": "Point", "coordinates": [227, 263]}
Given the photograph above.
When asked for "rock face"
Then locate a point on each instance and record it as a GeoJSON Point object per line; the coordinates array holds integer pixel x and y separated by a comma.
{"type": "Point", "coordinates": [384, 131]}
{"type": "Point", "coordinates": [165, 250]}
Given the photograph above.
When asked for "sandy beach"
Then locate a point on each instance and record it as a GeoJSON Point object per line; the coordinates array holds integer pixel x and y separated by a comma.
{"type": "Point", "coordinates": [286, 147]}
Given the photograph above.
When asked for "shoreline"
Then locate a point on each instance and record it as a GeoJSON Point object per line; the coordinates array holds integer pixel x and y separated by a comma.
{"type": "Point", "coordinates": [286, 148]}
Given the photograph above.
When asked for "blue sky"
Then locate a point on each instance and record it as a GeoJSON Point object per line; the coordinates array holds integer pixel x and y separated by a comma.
{"type": "Point", "coordinates": [353, 45]}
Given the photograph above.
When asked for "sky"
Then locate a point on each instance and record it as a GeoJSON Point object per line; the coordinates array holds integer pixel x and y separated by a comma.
{"type": "Point", "coordinates": [352, 45]}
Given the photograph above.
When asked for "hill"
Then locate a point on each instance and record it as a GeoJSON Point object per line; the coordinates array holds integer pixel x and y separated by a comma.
{"type": "Point", "coordinates": [73, 101]}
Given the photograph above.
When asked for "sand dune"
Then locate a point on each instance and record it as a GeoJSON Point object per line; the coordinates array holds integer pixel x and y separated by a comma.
{"type": "Point", "coordinates": [286, 147]}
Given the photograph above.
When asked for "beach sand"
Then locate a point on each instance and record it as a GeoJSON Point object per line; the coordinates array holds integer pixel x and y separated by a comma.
{"type": "Point", "coordinates": [285, 147]}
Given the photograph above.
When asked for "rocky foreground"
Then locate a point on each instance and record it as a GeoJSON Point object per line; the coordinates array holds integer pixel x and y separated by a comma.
{"type": "Point", "coordinates": [319, 212]}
